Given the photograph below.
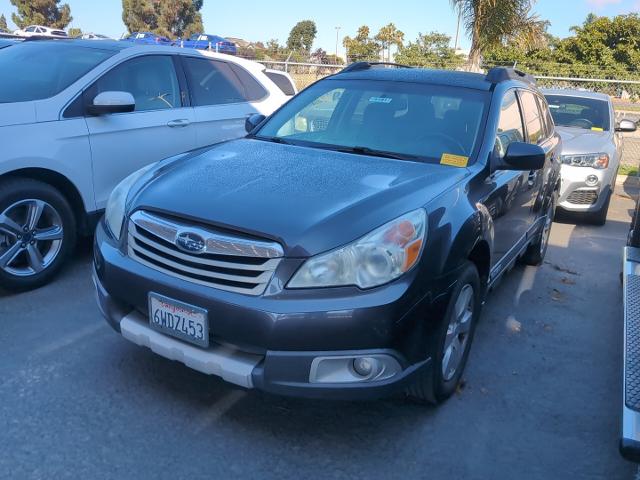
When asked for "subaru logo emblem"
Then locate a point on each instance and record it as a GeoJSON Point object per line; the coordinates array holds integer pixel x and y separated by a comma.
{"type": "Point", "coordinates": [190, 242]}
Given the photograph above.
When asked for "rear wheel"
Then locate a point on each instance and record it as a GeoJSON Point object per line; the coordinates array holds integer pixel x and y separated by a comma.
{"type": "Point", "coordinates": [536, 252]}
{"type": "Point", "coordinates": [37, 233]}
{"type": "Point", "coordinates": [452, 341]}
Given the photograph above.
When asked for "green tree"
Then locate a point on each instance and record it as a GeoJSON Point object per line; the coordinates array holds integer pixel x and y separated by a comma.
{"type": "Point", "coordinates": [430, 50]}
{"type": "Point", "coordinates": [139, 15]}
{"type": "Point", "coordinates": [172, 18]}
{"type": "Point", "coordinates": [491, 23]}
{"type": "Point", "coordinates": [75, 32]}
{"type": "Point", "coordinates": [388, 36]}
{"type": "Point", "coordinates": [3, 24]}
{"type": "Point", "coordinates": [41, 12]}
{"type": "Point", "coordinates": [362, 47]}
{"type": "Point", "coordinates": [605, 42]}
{"type": "Point", "coordinates": [302, 36]}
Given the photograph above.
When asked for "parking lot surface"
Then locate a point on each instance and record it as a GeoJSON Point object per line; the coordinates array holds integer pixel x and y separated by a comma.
{"type": "Point", "coordinates": [541, 397]}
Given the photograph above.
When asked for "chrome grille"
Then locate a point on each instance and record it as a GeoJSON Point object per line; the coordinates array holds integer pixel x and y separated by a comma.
{"type": "Point", "coordinates": [226, 262]}
{"type": "Point", "coordinates": [583, 197]}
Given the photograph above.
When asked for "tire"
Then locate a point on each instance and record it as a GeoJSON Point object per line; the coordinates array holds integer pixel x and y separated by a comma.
{"type": "Point", "coordinates": [600, 217]}
{"type": "Point", "coordinates": [634, 233]}
{"type": "Point", "coordinates": [535, 253]}
{"type": "Point", "coordinates": [31, 257]}
{"type": "Point", "coordinates": [433, 385]}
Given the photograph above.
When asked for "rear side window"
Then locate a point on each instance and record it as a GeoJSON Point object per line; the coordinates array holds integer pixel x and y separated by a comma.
{"type": "Point", "coordinates": [213, 82]}
{"type": "Point", "coordinates": [151, 80]}
{"type": "Point", "coordinates": [282, 82]}
{"type": "Point", "coordinates": [39, 70]}
{"type": "Point", "coordinates": [532, 116]}
{"type": "Point", "coordinates": [510, 125]}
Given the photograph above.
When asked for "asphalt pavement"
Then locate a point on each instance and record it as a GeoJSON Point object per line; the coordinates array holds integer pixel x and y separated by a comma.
{"type": "Point", "coordinates": [541, 396]}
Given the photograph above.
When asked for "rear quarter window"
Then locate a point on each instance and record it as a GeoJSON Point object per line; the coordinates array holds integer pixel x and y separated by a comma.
{"type": "Point", "coordinates": [41, 70]}
{"type": "Point", "coordinates": [282, 82]}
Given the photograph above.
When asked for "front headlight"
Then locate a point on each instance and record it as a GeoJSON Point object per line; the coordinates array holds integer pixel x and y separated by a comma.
{"type": "Point", "coordinates": [593, 160]}
{"type": "Point", "coordinates": [114, 214]}
{"type": "Point", "coordinates": [378, 258]}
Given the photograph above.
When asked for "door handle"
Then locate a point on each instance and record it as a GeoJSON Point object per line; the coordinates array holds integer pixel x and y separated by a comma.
{"type": "Point", "coordinates": [182, 122]}
{"type": "Point", "coordinates": [533, 176]}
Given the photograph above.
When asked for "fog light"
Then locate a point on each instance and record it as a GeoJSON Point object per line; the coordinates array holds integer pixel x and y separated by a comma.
{"type": "Point", "coordinates": [364, 366]}
{"type": "Point", "coordinates": [592, 180]}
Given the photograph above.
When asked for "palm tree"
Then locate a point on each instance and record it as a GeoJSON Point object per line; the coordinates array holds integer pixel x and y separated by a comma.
{"type": "Point", "coordinates": [387, 36]}
{"type": "Point", "coordinates": [490, 23]}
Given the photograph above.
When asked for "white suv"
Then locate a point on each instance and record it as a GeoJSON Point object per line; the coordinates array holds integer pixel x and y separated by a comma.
{"type": "Point", "coordinates": [76, 117]}
{"type": "Point", "coordinates": [40, 31]}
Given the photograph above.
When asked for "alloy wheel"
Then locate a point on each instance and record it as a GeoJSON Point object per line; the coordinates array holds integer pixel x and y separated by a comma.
{"type": "Point", "coordinates": [458, 332]}
{"type": "Point", "coordinates": [31, 235]}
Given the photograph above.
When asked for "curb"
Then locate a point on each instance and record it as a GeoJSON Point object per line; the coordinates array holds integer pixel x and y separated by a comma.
{"type": "Point", "coordinates": [628, 180]}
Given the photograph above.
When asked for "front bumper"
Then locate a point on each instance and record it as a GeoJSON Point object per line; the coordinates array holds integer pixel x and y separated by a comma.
{"type": "Point", "coordinates": [271, 343]}
{"type": "Point", "coordinates": [577, 195]}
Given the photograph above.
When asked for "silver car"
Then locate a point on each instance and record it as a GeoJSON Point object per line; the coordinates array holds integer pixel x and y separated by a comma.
{"type": "Point", "coordinates": [592, 149]}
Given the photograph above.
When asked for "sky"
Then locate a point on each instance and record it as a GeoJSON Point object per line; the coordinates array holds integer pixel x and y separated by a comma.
{"type": "Point", "coordinates": [260, 20]}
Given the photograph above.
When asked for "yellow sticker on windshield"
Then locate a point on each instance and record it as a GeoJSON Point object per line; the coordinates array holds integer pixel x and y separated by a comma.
{"type": "Point", "coordinates": [454, 160]}
{"type": "Point", "coordinates": [597, 129]}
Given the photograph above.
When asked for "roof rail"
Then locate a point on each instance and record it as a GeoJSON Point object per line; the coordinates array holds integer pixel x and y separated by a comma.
{"type": "Point", "coordinates": [37, 38]}
{"type": "Point", "coordinates": [358, 66]}
{"type": "Point", "coordinates": [502, 74]}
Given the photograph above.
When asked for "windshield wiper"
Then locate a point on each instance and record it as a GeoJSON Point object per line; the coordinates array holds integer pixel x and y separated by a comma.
{"type": "Point", "coordinates": [377, 153]}
{"type": "Point", "coordinates": [272, 139]}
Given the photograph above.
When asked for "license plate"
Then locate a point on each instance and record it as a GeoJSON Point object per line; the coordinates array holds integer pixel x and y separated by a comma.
{"type": "Point", "coordinates": [179, 319]}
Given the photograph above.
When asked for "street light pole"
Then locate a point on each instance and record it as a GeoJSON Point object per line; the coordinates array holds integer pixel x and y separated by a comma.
{"type": "Point", "coordinates": [337, 35]}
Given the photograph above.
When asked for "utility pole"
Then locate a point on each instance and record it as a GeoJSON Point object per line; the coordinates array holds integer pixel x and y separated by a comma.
{"type": "Point", "coordinates": [458, 29]}
{"type": "Point", "coordinates": [337, 36]}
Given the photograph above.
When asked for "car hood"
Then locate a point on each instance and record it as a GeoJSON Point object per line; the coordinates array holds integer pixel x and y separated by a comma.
{"type": "Point", "coordinates": [308, 200]}
{"type": "Point", "coordinates": [19, 113]}
{"type": "Point", "coordinates": [579, 140]}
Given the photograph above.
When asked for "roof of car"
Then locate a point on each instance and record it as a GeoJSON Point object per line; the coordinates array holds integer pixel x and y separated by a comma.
{"type": "Point", "coordinates": [421, 75]}
{"type": "Point", "coordinates": [113, 45]}
{"type": "Point", "coordinates": [575, 93]}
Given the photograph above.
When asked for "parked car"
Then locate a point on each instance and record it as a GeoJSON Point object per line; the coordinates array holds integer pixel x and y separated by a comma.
{"type": "Point", "coordinates": [283, 80]}
{"type": "Point", "coordinates": [147, 38]}
{"type": "Point", "coordinates": [630, 437]}
{"type": "Point", "coordinates": [348, 261]}
{"type": "Point", "coordinates": [592, 149]}
{"type": "Point", "coordinates": [78, 116]}
{"type": "Point", "coordinates": [202, 41]}
{"type": "Point", "coordinates": [94, 36]}
{"type": "Point", "coordinates": [40, 31]}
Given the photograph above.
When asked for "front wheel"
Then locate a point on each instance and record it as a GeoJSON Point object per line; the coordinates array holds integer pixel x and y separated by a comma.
{"type": "Point", "coordinates": [37, 233]}
{"type": "Point", "coordinates": [452, 341]}
{"type": "Point", "coordinates": [600, 217]}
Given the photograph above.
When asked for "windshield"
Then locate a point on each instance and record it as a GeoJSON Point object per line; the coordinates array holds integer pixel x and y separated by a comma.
{"type": "Point", "coordinates": [417, 121]}
{"type": "Point", "coordinates": [579, 112]}
{"type": "Point", "coordinates": [43, 69]}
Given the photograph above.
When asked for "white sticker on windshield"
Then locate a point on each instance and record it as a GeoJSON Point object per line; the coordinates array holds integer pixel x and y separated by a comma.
{"type": "Point", "coordinates": [380, 100]}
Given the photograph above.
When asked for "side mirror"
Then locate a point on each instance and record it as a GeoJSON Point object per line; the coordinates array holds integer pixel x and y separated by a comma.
{"type": "Point", "coordinates": [112, 102]}
{"type": "Point", "coordinates": [626, 126]}
{"type": "Point", "coordinates": [523, 156]}
{"type": "Point", "coordinates": [253, 121]}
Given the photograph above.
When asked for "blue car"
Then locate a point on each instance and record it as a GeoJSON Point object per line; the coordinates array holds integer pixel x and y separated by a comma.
{"type": "Point", "coordinates": [147, 38]}
{"type": "Point", "coordinates": [214, 43]}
